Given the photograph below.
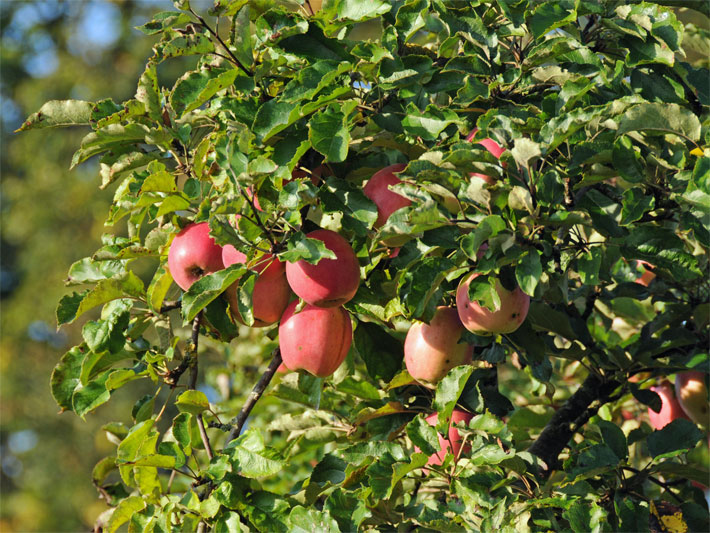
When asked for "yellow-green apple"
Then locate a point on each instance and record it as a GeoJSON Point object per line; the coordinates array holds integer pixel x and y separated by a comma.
{"type": "Point", "coordinates": [431, 350]}
{"type": "Point", "coordinates": [377, 190]}
{"type": "Point", "coordinates": [453, 443]}
{"type": "Point", "coordinates": [316, 339]}
{"type": "Point", "coordinates": [670, 408]}
{"type": "Point", "coordinates": [271, 290]}
{"type": "Point", "coordinates": [331, 282]}
{"type": "Point", "coordinates": [692, 394]}
{"type": "Point", "coordinates": [490, 145]}
{"type": "Point", "coordinates": [193, 253]}
{"type": "Point", "coordinates": [478, 319]}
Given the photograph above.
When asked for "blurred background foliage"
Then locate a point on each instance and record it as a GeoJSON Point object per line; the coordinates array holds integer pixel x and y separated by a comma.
{"type": "Point", "coordinates": [49, 218]}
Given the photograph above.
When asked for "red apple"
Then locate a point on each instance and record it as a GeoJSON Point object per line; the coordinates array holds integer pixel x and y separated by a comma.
{"type": "Point", "coordinates": [431, 350]}
{"type": "Point", "coordinates": [670, 408]}
{"type": "Point", "coordinates": [692, 394]}
{"type": "Point", "coordinates": [377, 190]}
{"type": "Point", "coordinates": [454, 441]}
{"type": "Point", "coordinates": [330, 283]}
{"type": "Point", "coordinates": [478, 319]}
{"type": "Point", "coordinates": [271, 290]}
{"type": "Point", "coordinates": [193, 253]}
{"type": "Point", "coordinates": [490, 145]}
{"type": "Point", "coordinates": [647, 275]}
{"type": "Point", "coordinates": [316, 339]}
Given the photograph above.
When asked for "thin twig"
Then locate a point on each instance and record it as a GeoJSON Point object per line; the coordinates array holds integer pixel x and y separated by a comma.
{"type": "Point", "coordinates": [170, 305]}
{"type": "Point", "coordinates": [656, 481]}
{"type": "Point", "coordinates": [226, 48]}
{"type": "Point", "coordinates": [237, 423]}
{"type": "Point", "coordinates": [194, 371]}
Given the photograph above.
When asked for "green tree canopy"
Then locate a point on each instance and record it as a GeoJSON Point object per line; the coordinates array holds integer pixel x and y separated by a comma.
{"type": "Point", "coordinates": [277, 118]}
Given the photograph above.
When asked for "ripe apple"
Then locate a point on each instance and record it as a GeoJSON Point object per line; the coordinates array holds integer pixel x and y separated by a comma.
{"type": "Point", "coordinates": [670, 408]}
{"type": "Point", "coordinates": [271, 290]}
{"type": "Point", "coordinates": [431, 350]}
{"type": "Point", "coordinates": [647, 275]}
{"type": "Point", "coordinates": [453, 443]}
{"type": "Point", "coordinates": [377, 190]}
{"type": "Point", "coordinates": [316, 339]}
{"type": "Point", "coordinates": [692, 394]}
{"type": "Point", "coordinates": [330, 283]}
{"type": "Point", "coordinates": [478, 319]}
{"type": "Point", "coordinates": [193, 253]}
{"type": "Point", "coordinates": [490, 145]}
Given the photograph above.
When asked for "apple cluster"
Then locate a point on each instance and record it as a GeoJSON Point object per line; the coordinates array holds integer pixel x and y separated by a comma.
{"type": "Point", "coordinates": [316, 335]}
{"type": "Point", "coordinates": [315, 338]}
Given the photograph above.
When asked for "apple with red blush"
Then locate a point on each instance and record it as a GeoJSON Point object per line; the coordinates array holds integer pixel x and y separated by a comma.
{"type": "Point", "coordinates": [193, 253]}
{"type": "Point", "coordinates": [431, 350]}
{"type": "Point", "coordinates": [314, 339]}
{"type": "Point", "coordinates": [330, 282]}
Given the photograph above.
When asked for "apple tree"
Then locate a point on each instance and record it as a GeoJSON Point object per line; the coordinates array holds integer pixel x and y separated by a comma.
{"type": "Point", "coordinates": [494, 218]}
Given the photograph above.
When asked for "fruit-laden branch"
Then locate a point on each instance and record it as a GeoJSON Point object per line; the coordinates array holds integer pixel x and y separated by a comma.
{"type": "Point", "coordinates": [238, 421]}
{"type": "Point", "coordinates": [571, 416]}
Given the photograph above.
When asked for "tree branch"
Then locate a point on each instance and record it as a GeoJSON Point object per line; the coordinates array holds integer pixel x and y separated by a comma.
{"type": "Point", "coordinates": [194, 371]}
{"type": "Point", "coordinates": [237, 423]}
{"type": "Point", "coordinates": [170, 305]}
{"type": "Point", "coordinates": [568, 418]}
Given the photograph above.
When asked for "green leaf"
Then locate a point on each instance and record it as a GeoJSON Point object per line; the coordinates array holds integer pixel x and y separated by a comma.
{"type": "Point", "coordinates": [159, 287]}
{"type": "Point", "coordinates": [528, 271]}
{"type": "Point", "coordinates": [242, 41]}
{"type": "Point", "coordinates": [588, 265]}
{"type": "Point", "coordinates": [193, 402]}
{"type": "Point", "coordinates": [300, 247]}
{"type": "Point", "coordinates": [72, 306]}
{"type": "Point", "coordinates": [209, 287]}
{"type": "Point", "coordinates": [59, 113]}
{"type": "Point", "coordinates": [675, 438]}
{"type": "Point", "coordinates": [660, 118]}
{"type": "Point", "coordinates": [585, 517]}
{"type": "Point", "coordinates": [614, 438]}
{"type": "Point", "coordinates": [328, 133]}
{"type": "Point", "coordinates": [635, 205]}
{"type": "Point", "coordinates": [148, 91]}
{"type": "Point", "coordinates": [251, 459]}
{"type": "Point", "coordinates": [488, 227]}
{"type": "Point", "coordinates": [65, 376]}
{"type": "Point", "coordinates": [423, 435]}
{"type": "Point", "coordinates": [195, 43]}
{"type": "Point", "coordinates": [124, 511]}
{"type": "Point", "coordinates": [448, 392]}
{"type": "Point", "coordinates": [304, 520]}
{"type": "Point", "coordinates": [130, 447]}
{"type": "Point", "coordinates": [427, 124]}
{"type": "Point", "coordinates": [627, 160]}
{"type": "Point", "coordinates": [163, 21]}
{"type": "Point", "coordinates": [551, 15]}
{"type": "Point", "coordinates": [272, 117]}
{"type": "Point", "coordinates": [195, 88]}
{"type": "Point", "coordinates": [381, 352]}
{"type": "Point", "coordinates": [360, 389]}
{"type": "Point", "coordinates": [88, 271]}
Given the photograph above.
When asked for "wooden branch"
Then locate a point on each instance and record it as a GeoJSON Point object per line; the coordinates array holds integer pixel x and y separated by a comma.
{"type": "Point", "coordinates": [237, 423]}
{"type": "Point", "coordinates": [567, 419]}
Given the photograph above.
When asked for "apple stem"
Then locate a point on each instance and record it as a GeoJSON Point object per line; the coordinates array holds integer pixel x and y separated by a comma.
{"type": "Point", "coordinates": [237, 423]}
